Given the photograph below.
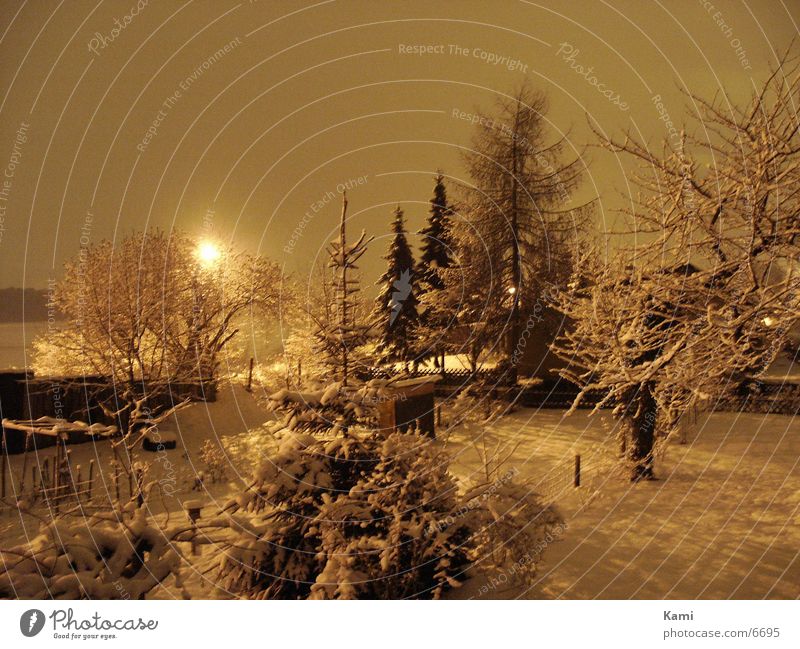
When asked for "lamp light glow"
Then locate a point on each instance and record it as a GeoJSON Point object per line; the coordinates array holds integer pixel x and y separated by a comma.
{"type": "Point", "coordinates": [208, 253]}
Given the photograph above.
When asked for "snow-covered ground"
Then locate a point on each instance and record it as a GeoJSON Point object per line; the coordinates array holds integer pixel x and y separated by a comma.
{"type": "Point", "coordinates": [230, 418]}
{"type": "Point", "coordinates": [784, 370]}
{"type": "Point", "coordinates": [721, 521]}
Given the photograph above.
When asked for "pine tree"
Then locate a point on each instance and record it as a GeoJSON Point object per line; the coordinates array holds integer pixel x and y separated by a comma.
{"type": "Point", "coordinates": [436, 255]}
{"type": "Point", "coordinates": [395, 315]}
{"type": "Point", "coordinates": [473, 300]}
{"type": "Point", "coordinates": [338, 330]}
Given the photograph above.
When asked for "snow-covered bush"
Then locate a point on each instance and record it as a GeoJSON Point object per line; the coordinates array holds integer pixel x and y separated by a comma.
{"type": "Point", "coordinates": [348, 518]}
{"type": "Point", "coordinates": [329, 408]}
{"type": "Point", "coordinates": [94, 558]}
{"type": "Point", "coordinates": [369, 515]}
{"type": "Point", "coordinates": [214, 460]}
{"type": "Point", "coordinates": [511, 528]}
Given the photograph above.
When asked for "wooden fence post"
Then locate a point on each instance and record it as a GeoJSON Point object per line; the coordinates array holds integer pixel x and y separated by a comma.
{"type": "Point", "coordinates": [54, 493]}
{"type": "Point", "coordinates": [4, 459]}
{"type": "Point", "coordinates": [55, 469]}
{"type": "Point", "coordinates": [24, 462]}
{"type": "Point", "coordinates": [193, 509]}
{"type": "Point", "coordinates": [250, 375]}
{"type": "Point", "coordinates": [91, 477]}
{"type": "Point", "coordinates": [577, 480]}
{"type": "Point", "coordinates": [139, 493]}
{"type": "Point", "coordinates": [45, 474]}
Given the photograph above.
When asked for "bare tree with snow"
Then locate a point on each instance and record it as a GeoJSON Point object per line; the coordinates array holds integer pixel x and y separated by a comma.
{"type": "Point", "coordinates": [708, 291]}
{"type": "Point", "coordinates": [148, 317]}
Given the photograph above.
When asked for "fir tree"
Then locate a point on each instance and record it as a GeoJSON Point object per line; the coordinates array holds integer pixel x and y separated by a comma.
{"type": "Point", "coordinates": [435, 252]}
{"type": "Point", "coordinates": [436, 255]}
{"type": "Point", "coordinates": [396, 317]}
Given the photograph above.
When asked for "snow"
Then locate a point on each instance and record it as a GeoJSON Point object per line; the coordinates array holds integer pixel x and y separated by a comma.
{"type": "Point", "coordinates": [451, 362]}
{"type": "Point", "coordinates": [721, 521]}
{"type": "Point", "coordinates": [53, 426]}
{"type": "Point", "coordinates": [225, 422]}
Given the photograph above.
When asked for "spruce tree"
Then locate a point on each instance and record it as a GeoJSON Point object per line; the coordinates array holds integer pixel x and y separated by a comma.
{"type": "Point", "coordinates": [436, 255]}
{"type": "Point", "coordinates": [396, 317]}
{"type": "Point", "coordinates": [435, 250]}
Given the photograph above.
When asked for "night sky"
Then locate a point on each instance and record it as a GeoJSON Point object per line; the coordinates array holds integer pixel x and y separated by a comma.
{"type": "Point", "coordinates": [244, 120]}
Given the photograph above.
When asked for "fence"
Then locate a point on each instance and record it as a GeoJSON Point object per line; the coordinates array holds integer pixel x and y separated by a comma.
{"type": "Point", "coordinates": [762, 397]}
{"type": "Point", "coordinates": [448, 380]}
{"type": "Point", "coordinates": [80, 397]}
{"type": "Point", "coordinates": [752, 396]}
{"type": "Point", "coordinates": [587, 470]}
{"type": "Point", "coordinates": [53, 489]}
{"type": "Point", "coordinates": [53, 486]}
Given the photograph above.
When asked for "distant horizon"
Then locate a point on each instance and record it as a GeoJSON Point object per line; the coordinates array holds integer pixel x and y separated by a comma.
{"type": "Point", "coordinates": [28, 304]}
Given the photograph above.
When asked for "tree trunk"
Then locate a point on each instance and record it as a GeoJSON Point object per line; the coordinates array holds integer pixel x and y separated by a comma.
{"type": "Point", "coordinates": [517, 161]}
{"type": "Point", "coordinates": [639, 423]}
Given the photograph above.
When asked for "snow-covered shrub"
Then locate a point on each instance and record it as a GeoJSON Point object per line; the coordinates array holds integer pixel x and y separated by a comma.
{"type": "Point", "coordinates": [366, 515]}
{"type": "Point", "coordinates": [94, 558]}
{"type": "Point", "coordinates": [353, 512]}
{"type": "Point", "coordinates": [329, 408]}
{"type": "Point", "coordinates": [348, 518]}
{"type": "Point", "coordinates": [214, 461]}
{"type": "Point", "coordinates": [511, 528]}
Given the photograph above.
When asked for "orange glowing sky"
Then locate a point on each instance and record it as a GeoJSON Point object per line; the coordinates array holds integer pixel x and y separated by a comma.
{"type": "Point", "coordinates": [146, 126]}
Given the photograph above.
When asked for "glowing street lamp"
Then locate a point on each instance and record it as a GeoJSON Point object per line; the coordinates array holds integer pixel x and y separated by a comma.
{"type": "Point", "coordinates": [208, 253]}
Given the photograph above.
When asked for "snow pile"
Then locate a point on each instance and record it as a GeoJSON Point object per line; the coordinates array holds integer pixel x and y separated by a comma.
{"type": "Point", "coordinates": [53, 426]}
{"type": "Point", "coordinates": [96, 558]}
